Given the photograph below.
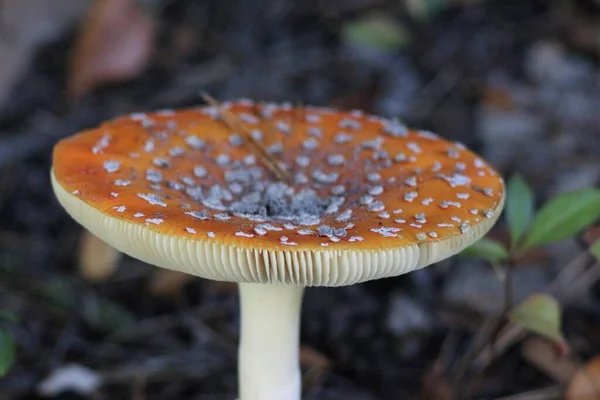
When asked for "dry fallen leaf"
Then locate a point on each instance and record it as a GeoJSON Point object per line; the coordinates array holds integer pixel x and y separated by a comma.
{"type": "Point", "coordinates": [541, 314]}
{"type": "Point", "coordinates": [585, 384]}
{"type": "Point", "coordinates": [97, 260]}
{"type": "Point", "coordinates": [316, 364]}
{"type": "Point", "coordinates": [592, 235]}
{"type": "Point", "coordinates": [27, 24]}
{"type": "Point", "coordinates": [543, 355]}
{"type": "Point", "coordinates": [220, 288]}
{"type": "Point", "coordinates": [498, 98]}
{"type": "Point", "coordinates": [435, 384]}
{"type": "Point", "coordinates": [311, 358]}
{"type": "Point", "coordinates": [115, 45]}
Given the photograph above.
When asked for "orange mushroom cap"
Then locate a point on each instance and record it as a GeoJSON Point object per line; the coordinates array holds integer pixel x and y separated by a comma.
{"type": "Point", "coordinates": [155, 185]}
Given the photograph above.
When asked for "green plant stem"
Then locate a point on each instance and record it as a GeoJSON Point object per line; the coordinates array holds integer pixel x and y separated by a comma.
{"type": "Point", "coordinates": [508, 300]}
{"type": "Point", "coordinates": [496, 326]}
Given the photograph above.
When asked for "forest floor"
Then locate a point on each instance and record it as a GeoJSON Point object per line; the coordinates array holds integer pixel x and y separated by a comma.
{"type": "Point", "coordinates": [516, 81]}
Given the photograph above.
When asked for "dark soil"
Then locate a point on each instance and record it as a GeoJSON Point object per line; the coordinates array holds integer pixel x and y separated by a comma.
{"type": "Point", "coordinates": [397, 338]}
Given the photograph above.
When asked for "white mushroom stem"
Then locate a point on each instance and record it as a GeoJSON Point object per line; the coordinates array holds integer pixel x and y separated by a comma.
{"type": "Point", "coordinates": [269, 342]}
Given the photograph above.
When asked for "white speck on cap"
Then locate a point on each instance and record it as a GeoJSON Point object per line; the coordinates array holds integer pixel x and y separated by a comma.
{"type": "Point", "coordinates": [410, 196]}
{"type": "Point", "coordinates": [446, 204]}
{"type": "Point", "coordinates": [176, 151]}
{"type": "Point", "coordinates": [314, 131]}
{"type": "Point", "coordinates": [395, 129]}
{"type": "Point", "coordinates": [112, 166]}
{"type": "Point", "coordinates": [244, 234]}
{"type": "Point", "coordinates": [152, 198]}
{"type": "Point", "coordinates": [310, 144]}
{"type": "Point", "coordinates": [303, 161]}
{"type": "Point", "coordinates": [149, 146]}
{"type": "Point", "coordinates": [195, 142]}
{"type": "Point", "coordinates": [345, 215]}
{"type": "Point", "coordinates": [313, 118]}
{"type": "Point", "coordinates": [200, 171]}
{"type": "Point", "coordinates": [250, 159]}
{"type": "Point", "coordinates": [101, 144]}
{"type": "Point", "coordinates": [335, 159]}
{"type": "Point", "coordinates": [387, 231]}
{"type": "Point", "coordinates": [342, 138]}
{"type": "Point", "coordinates": [457, 180]}
{"type": "Point", "coordinates": [375, 190]}
{"type": "Point", "coordinates": [222, 159]}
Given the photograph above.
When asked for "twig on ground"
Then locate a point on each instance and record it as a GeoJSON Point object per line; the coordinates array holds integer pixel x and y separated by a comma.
{"type": "Point", "coordinates": [187, 365]}
{"type": "Point", "coordinates": [549, 393]}
{"type": "Point", "coordinates": [478, 344]}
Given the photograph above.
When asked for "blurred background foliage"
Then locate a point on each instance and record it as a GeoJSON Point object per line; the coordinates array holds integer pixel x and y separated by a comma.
{"type": "Point", "coordinates": [516, 317]}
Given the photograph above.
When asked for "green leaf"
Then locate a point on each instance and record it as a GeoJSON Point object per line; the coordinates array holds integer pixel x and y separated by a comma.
{"type": "Point", "coordinates": [540, 314]}
{"type": "Point", "coordinates": [7, 351]}
{"type": "Point", "coordinates": [425, 9]}
{"type": "Point", "coordinates": [98, 312]}
{"type": "Point", "coordinates": [519, 207]}
{"type": "Point", "coordinates": [60, 293]}
{"type": "Point", "coordinates": [8, 316]}
{"type": "Point", "coordinates": [595, 249]}
{"type": "Point", "coordinates": [487, 249]}
{"type": "Point", "coordinates": [105, 315]}
{"type": "Point", "coordinates": [563, 216]}
{"type": "Point", "coordinates": [375, 30]}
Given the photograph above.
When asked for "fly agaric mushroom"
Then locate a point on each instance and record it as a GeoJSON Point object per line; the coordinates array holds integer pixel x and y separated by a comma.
{"type": "Point", "coordinates": [367, 199]}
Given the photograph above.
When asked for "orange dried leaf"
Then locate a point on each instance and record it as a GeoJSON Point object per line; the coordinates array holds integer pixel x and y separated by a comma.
{"type": "Point", "coordinates": [544, 355]}
{"type": "Point", "coordinates": [311, 358]}
{"type": "Point", "coordinates": [498, 98]}
{"type": "Point", "coordinates": [97, 260]}
{"type": "Point", "coordinates": [592, 235]}
{"type": "Point", "coordinates": [435, 385]}
{"type": "Point", "coordinates": [221, 288]}
{"type": "Point", "coordinates": [585, 384]}
{"type": "Point", "coordinates": [168, 283]}
{"type": "Point", "coordinates": [114, 46]}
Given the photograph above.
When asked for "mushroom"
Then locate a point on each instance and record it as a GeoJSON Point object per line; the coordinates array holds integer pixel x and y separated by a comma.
{"type": "Point", "coordinates": [368, 199]}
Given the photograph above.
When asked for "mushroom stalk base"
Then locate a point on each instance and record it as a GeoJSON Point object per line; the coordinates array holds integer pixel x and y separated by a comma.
{"type": "Point", "coordinates": [268, 365]}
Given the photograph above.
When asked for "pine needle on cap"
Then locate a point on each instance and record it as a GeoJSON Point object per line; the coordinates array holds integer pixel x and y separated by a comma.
{"type": "Point", "coordinates": [234, 123]}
